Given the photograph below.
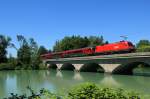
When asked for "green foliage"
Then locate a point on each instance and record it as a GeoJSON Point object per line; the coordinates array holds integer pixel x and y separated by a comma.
{"type": "Point", "coordinates": [143, 46]}
{"type": "Point", "coordinates": [75, 42]}
{"type": "Point", "coordinates": [35, 60]}
{"type": "Point", "coordinates": [91, 91]}
{"type": "Point", "coordinates": [49, 95]}
{"type": "Point", "coordinates": [93, 40]}
{"type": "Point", "coordinates": [42, 94]}
{"type": "Point", "coordinates": [28, 54]}
{"type": "Point", "coordinates": [24, 55]}
{"type": "Point", "coordinates": [7, 66]}
{"type": "Point", "coordinates": [42, 50]}
{"type": "Point", "coordinates": [143, 49]}
{"type": "Point", "coordinates": [142, 43]}
{"type": "Point", "coordinates": [84, 91]}
{"type": "Point", "coordinates": [42, 66]}
{"type": "Point", "coordinates": [4, 43]}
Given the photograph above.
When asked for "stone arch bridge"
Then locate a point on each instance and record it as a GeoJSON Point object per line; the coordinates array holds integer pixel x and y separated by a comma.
{"type": "Point", "coordinates": [115, 63]}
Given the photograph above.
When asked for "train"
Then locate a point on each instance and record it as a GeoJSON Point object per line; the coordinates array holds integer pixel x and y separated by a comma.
{"type": "Point", "coordinates": [105, 49]}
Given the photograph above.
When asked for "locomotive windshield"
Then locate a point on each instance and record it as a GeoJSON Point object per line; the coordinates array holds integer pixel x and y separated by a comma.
{"type": "Point", "coordinates": [130, 44]}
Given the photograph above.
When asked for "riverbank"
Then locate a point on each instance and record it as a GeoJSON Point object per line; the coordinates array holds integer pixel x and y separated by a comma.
{"type": "Point", "coordinates": [11, 66]}
{"type": "Point", "coordinates": [82, 91]}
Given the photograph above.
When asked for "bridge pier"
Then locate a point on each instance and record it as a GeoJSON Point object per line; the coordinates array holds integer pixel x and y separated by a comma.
{"type": "Point", "coordinates": [48, 65]}
{"type": "Point", "coordinates": [109, 67]}
{"type": "Point", "coordinates": [77, 67]}
{"type": "Point", "coordinates": [44, 63]}
{"type": "Point", "coordinates": [59, 66]}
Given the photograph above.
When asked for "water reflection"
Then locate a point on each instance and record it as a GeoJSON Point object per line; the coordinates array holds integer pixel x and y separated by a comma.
{"type": "Point", "coordinates": [3, 80]}
{"type": "Point", "coordinates": [142, 71]}
{"type": "Point", "coordinates": [77, 76]}
{"type": "Point", "coordinates": [59, 74]}
{"type": "Point", "coordinates": [109, 81]}
{"type": "Point", "coordinates": [17, 81]}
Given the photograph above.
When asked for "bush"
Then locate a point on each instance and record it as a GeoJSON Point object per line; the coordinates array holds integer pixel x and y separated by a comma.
{"type": "Point", "coordinates": [84, 91]}
{"type": "Point", "coordinates": [91, 91]}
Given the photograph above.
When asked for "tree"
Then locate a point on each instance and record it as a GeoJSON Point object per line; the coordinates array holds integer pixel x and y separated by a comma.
{"type": "Point", "coordinates": [75, 42]}
{"type": "Point", "coordinates": [28, 53]}
{"type": "Point", "coordinates": [143, 46]}
{"type": "Point", "coordinates": [94, 40]}
{"type": "Point", "coordinates": [106, 42]}
{"type": "Point", "coordinates": [42, 50]}
{"type": "Point", "coordinates": [68, 43]}
{"type": "Point", "coordinates": [143, 43]}
{"type": "Point", "coordinates": [34, 62]}
{"type": "Point", "coordinates": [4, 43]}
{"type": "Point", "coordinates": [57, 46]}
{"type": "Point", "coordinates": [24, 55]}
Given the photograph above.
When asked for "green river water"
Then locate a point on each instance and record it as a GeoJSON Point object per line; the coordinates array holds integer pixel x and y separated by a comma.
{"type": "Point", "coordinates": [58, 81]}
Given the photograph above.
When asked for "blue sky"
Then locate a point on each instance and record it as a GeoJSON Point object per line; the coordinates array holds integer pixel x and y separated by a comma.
{"type": "Point", "coordinates": [50, 20]}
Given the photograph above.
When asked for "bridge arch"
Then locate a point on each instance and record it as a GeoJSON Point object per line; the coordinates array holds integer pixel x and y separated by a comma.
{"type": "Point", "coordinates": [51, 66]}
{"type": "Point", "coordinates": [127, 69]}
{"type": "Point", "coordinates": [91, 67]}
{"type": "Point", "coordinates": [67, 66]}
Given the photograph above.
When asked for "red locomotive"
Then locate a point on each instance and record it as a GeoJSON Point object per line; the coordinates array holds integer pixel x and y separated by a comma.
{"type": "Point", "coordinates": [118, 47]}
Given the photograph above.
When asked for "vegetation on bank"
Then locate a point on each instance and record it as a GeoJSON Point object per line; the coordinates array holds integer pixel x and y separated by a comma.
{"type": "Point", "coordinates": [83, 91]}
{"type": "Point", "coordinates": [28, 52]}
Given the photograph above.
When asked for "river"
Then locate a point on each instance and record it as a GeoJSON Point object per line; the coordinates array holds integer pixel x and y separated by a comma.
{"type": "Point", "coordinates": [57, 81]}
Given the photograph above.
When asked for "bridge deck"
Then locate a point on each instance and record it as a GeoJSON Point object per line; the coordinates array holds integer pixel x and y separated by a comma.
{"type": "Point", "coordinates": [112, 56]}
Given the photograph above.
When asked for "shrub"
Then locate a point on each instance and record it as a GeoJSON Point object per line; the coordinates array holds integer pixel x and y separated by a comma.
{"type": "Point", "coordinates": [84, 91]}
{"type": "Point", "coordinates": [91, 91]}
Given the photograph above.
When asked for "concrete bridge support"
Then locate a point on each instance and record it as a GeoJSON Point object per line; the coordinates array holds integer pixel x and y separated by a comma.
{"type": "Point", "coordinates": [59, 66]}
{"type": "Point", "coordinates": [77, 66]}
{"type": "Point", "coordinates": [44, 63]}
{"type": "Point", "coordinates": [109, 67]}
{"type": "Point", "coordinates": [48, 65]}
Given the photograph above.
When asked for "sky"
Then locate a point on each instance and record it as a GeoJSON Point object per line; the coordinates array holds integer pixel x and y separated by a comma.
{"type": "Point", "coordinates": [50, 20]}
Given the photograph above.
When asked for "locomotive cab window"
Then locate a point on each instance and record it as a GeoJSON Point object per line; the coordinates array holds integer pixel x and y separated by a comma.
{"type": "Point", "coordinates": [130, 44]}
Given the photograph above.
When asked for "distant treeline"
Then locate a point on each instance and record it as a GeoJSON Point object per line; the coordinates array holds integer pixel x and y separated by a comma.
{"type": "Point", "coordinates": [75, 42]}
{"type": "Point", "coordinates": [28, 52]}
